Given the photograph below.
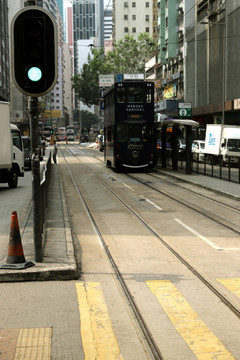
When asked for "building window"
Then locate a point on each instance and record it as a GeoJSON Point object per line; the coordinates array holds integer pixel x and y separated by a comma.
{"type": "Point", "coordinates": [125, 17]}
{"type": "Point", "coordinates": [133, 4]}
{"type": "Point", "coordinates": [147, 17]}
{"type": "Point", "coordinates": [166, 22]}
{"type": "Point", "coordinates": [147, 4]}
{"type": "Point", "coordinates": [125, 4]}
{"type": "Point", "coordinates": [133, 29]}
{"type": "Point", "coordinates": [126, 29]}
{"type": "Point", "coordinates": [147, 30]}
{"type": "Point", "coordinates": [133, 17]}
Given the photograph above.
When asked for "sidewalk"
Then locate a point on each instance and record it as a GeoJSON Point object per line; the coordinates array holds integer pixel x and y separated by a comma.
{"type": "Point", "coordinates": [219, 186]}
{"type": "Point", "coordinates": [58, 252]}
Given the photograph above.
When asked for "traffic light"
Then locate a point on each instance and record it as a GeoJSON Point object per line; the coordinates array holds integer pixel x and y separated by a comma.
{"type": "Point", "coordinates": [34, 51]}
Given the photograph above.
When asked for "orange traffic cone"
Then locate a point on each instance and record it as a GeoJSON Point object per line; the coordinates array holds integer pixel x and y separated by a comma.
{"type": "Point", "coordinates": [16, 258]}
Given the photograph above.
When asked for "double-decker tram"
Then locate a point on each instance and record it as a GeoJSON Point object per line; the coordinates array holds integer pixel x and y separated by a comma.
{"type": "Point", "coordinates": [130, 140]}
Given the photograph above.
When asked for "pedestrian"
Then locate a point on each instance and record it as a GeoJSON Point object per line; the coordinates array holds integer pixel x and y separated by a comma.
{"type": "Point", "coordinates": [55, 150]}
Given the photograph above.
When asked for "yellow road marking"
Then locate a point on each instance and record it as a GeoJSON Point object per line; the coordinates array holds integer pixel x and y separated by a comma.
{"type": "Point", "coordinates": [204, 344]}
{"type": "Point", "coordinates": [232, 285]}
{"type": "Point", "coordinates": [99, 341]}
{"type": "Point", "coordinates": [34, 344]}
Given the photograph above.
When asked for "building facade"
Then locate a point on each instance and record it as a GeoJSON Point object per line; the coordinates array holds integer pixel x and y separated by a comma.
{"type": "Point", "coordinates": [88, 18]}
{"type": "Point", "coordinates": [4, 53]}
{"type": "Point", "coordinates": [132, 18]}
{"type": "Point", "coordinates": [212, 70]}
{"type": "Point", "coordinates": [108, 24]}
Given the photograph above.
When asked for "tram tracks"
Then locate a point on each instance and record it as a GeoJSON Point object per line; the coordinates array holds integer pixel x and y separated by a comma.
{"type": "Point", "coordinates": [208, 214]}
{"type": "Point", "coordinates": [230, 303]}
{"type": "Point", "coordinates": [147, 336]}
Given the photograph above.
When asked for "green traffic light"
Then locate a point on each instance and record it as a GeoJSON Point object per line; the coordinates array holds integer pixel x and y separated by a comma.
{"type": "Point", "coordinates": [34, 73]}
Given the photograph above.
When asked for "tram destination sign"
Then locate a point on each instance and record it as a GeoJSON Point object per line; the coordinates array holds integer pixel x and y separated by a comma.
{"type": "Point", "coordinates": [185, 109]}
{"type": "Point", "coordinates": [133, 76]}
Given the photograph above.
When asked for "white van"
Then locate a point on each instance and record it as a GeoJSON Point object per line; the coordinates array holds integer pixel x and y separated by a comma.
{"type": "Point", "coordinates": [11, 149]}
{"type": "Point", "coordinates": [198, 150]}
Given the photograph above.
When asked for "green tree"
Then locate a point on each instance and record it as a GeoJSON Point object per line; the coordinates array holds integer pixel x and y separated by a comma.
{"type": "Point", "coordinates": [128, 56]}
{"type": "Point", "coordinates": [87, 118]}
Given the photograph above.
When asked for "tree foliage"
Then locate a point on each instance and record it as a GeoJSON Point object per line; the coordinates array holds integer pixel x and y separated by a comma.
{"type": "Point", "coordinates": [87, 118]}
{"type": "Point", "coordinates": [128, 56]}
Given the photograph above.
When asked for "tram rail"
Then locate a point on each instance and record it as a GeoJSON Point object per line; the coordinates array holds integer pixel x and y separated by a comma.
{"type": "Point", "coordinates": [210, 284]}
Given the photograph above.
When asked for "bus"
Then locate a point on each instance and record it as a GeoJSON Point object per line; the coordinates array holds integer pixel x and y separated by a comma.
{"type": "Point", "coordinates": [129, 132]}
{"type": "Point", "coordinates": [61, 134]}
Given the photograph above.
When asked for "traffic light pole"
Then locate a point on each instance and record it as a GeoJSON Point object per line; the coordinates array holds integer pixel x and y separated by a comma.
{"type": "Point", "coordinates": [36, 189]}
{"type": "Point", "coordinates": [34, 54]}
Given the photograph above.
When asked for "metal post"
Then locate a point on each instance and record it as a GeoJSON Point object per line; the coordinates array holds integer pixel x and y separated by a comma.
{"type": "Point", "coordinates": [188, 149]}
{"type": "Point", "coordinates": [174, 148]}
{"type": "Point", "coordinates": [164, 142]}
{"type": "Point", "coordinates": [36, 190]}
{"type": "Point", "coordinates": [223, 74]}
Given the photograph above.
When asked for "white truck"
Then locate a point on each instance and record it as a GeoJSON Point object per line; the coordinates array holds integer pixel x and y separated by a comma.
{"type": "Point", "coordinates": [11, 149]}
{"type": "Point", "coordinates": [222, 142]}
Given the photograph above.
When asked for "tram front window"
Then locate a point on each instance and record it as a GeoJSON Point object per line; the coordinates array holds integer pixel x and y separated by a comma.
{"type": "Point", "coordinates": [132, 133]}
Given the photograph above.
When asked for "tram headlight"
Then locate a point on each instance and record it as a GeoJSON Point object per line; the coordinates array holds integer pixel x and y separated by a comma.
{"type": "Point", "coordinates": [135, 154]}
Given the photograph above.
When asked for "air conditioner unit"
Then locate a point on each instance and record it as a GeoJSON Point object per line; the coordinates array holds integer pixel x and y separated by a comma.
{"type": "Point", "coordinates": [178, 52]}
{"type": "Point", "coordinates": [179, 31]}
{"type": "Point", "coordinates": [179, 8]}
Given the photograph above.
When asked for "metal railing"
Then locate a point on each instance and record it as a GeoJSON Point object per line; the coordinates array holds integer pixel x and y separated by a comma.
{"type": "Point", "coordinates": [207, 166]}
{"type": "Point", "coordinates": [44, 190]}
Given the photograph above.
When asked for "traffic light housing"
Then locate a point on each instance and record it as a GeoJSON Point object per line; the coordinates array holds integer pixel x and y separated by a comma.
{"type": "Point", "coordinates": [34, 51]}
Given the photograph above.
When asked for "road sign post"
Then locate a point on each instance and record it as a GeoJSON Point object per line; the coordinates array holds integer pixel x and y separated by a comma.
{"type": "Point", "coordinates": [185, 109]}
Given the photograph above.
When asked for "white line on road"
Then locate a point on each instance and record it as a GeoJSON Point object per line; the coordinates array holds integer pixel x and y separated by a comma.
{"type": "Point", "coordinates": [212, 244]}
{"type": "Point", "coordinates": [152, 203]}
{"type": "Point", "coordinates": [129, 187]}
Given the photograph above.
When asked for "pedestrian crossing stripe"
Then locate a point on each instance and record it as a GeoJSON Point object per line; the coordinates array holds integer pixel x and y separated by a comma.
{"type": "Point", "coordinates": [203, 343]}
{"type": "Point", "coordinates": [98, 339]}
{"type": "Point", "coordinates": [232, 285]}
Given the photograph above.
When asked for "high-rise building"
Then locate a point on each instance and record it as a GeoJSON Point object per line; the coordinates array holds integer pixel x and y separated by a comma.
{"type": "Point", "coordinates": [88, 17]}
{"type": "Point", "coordinates": [50, 5]}
{"type": "Point", "coordinates": [108, 24]}
{"type": "Point", "coordinates": [4, 53]}
{"type": "Point", "coordinates": [132, 17]}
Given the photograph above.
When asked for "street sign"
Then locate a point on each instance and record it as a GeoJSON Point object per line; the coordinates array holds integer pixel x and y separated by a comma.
{"type": "Point", "coordinates": [101, 105]}
{"type": "Point", "coordinates": [52, 113]}
{"type": "Point", "coordinates": [119, 77]}
{"type": "Point", "coordinates": [185, 109]}
{"type": "Point", "coordinates": [101, 93]}
{"type": "Point", "coordinates": [106, 80]}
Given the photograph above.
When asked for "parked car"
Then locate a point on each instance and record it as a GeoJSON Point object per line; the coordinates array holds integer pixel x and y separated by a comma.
{"type": "Point", "coordinates": [198, 150]}
{"type": "Point", "coordinates": [27, 152]}
{"type": "Point", "coordinates": [181, 145]}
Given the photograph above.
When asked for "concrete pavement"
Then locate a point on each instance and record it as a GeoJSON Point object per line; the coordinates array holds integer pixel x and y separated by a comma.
{"type": "Point", "coordinates": [58, 252]}
{"type": "Point", "coordinates": [219, 186]}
